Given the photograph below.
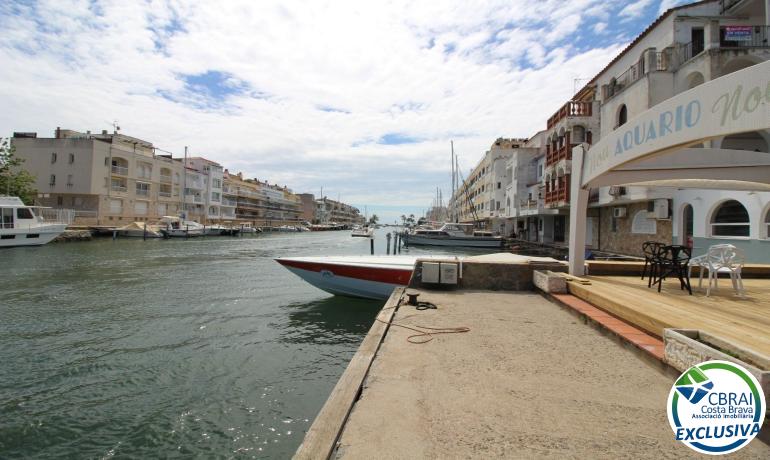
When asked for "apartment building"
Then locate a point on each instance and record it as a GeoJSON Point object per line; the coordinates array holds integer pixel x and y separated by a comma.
{"type": "Point", "coordinates": [107, 178]}
{"type": "Point", "coordinates": [683, 48]}
{"type": "Point", "coordinates": [481, 196]}
{"type": "Point", "coordinates": [260, 203]}
{"type": "Point", "coordinates": [204, 195]}
{"type": "Point", "coordinates": [331, 212]}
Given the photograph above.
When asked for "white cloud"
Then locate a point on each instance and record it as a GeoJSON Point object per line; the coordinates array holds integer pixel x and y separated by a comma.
{"type": "Point", "coordinates": [433, 71]}
{"type": "Point", "coordinates": [635, 9]}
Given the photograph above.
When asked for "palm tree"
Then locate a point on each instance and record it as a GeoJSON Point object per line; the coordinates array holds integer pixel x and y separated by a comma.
{"type": "Point", "coordinates": [403, 219]}
{"type": "Point", "coordinates": [373, 220]}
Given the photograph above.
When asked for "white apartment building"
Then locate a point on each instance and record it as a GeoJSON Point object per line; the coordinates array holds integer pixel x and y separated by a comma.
{"type": "Point", "coordinates": [209, 201]}
{"type": "Point", "coordinates": [108, 179]}
{"type": "Point", "coordinates": [481, 197]}
{"type": "Point", "coordinates": [686, 46]}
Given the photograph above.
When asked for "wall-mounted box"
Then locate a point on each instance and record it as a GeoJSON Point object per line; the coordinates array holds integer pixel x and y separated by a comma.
{"type": "Point", "coordinates": [430, 272]}
{"type": "Point", "coordinates": [448, 273]}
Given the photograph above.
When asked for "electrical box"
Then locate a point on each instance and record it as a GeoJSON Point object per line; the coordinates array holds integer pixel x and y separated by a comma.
{"type": "Point", "coordinates": [619, 212]}
{"type": "Point", "coordinates": [448, 273]}
{"type": "Point", "coordinates": [430, 272]}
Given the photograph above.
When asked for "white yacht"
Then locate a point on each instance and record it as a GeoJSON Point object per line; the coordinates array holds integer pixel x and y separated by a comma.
{"type": "Point", "coordinates": [20, 226]}
{"type": "Point", "coordinates": [451, 234]}
{"type": "Point", "coordinates": [176, 227]}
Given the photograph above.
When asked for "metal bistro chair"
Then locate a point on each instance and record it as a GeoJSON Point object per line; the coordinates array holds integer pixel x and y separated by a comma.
{"type": "Point", "coordinates": [673, 260]}
{"type": "Point", "coordinates": [721, 258]}
{"type": "Point", "coordinates": [650, 249]}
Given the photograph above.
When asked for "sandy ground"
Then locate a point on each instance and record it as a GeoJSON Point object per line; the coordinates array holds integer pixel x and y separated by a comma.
{"type": "Point", "coordinates": [528, 381]}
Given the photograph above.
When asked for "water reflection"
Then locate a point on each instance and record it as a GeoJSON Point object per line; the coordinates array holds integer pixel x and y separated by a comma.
{"type": "Point", "coordinates": [330, 320]}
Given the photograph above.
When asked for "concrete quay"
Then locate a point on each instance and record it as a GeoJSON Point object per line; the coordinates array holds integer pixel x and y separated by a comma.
{"type": "Point", "coordinates": [528, 380]}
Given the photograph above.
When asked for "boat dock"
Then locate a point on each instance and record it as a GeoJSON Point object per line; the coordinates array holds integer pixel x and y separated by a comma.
{"type": "Point", "coordinates": [520, 374]}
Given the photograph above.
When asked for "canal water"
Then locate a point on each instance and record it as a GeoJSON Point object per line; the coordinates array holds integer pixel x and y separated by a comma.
{"type": "Point", "coordinates": [201, 347]}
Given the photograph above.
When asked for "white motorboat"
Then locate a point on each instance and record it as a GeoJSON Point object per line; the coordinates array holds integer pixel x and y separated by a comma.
{"type": "Point", "coordinates": [452, 234]}
{"type": "Point", "coordinates": [20, 226]}
{"type": "Point", "coordinates": [370, 277]}
{"type": "Point", "coordinates": [366, 232]}
{"type": "Point", "coordinates": [248, 229]}
{"type": "Point", "coordinates": [176, 227]}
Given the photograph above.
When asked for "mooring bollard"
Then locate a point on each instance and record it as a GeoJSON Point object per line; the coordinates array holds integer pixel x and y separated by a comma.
{"type": "Point", "coordinates": [371, 245]}
{"type": "Point", "coordinates": [187, 231]}
{"type": "Point", "coordinates": [144, 235]}
{"type": "Point", "coordinates": [114, 234]}
{"type": "Point", "coordinates": [400, 242]}
{"type": "Point", "coordinates": [387, 237]}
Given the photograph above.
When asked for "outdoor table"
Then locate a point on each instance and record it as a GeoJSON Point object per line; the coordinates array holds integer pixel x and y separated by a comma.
{"type": "Point", "coordinates": [673, 260]}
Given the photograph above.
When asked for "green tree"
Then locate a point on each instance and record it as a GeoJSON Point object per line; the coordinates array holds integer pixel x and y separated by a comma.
{"type": "Point", "coordinates": [15, 180]}
{"type": "Point", "coordinates": [410, 219]}
{"type": "Point", "coordinates": [374, 219]}
{"type": "Point", "coordinates": [403, 219]}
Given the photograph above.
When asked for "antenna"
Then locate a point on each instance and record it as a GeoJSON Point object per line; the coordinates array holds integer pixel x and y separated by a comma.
{"type": "Point", "coordinates": [115, 126]}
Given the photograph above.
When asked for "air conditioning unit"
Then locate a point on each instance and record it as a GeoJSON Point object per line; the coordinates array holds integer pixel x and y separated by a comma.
{"type": "Point", "coordinates": [617, 190]}
{"type": "Point", "coordinates": [661, 209]}
{"type": "Point", "coordinates": [619, 212]}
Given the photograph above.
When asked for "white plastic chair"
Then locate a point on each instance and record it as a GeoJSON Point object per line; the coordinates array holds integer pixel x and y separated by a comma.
{"type": "Point", "coordinates": [721, 258]}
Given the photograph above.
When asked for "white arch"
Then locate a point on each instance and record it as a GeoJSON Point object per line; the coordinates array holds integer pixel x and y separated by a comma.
{"type": "Point", "coordinates": [712, 210]}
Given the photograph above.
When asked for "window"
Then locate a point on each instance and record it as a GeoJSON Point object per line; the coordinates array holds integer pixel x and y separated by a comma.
{"type": "Point", "coordinates": [59, 201]}
{"type": "Point", "coordinates": [140, 208]}
{"type": "Point", "coordinates": [622, 115]}
{"type": "Point", "coordinates": [116, 206]}
{"type": "Point", "coordinates": [53, 157]}
{"type": "Point", "coordinates": [69, 180]}
{"type": "Point", "coordinates": [499, 185]}
{"type": "Point", "coordinates": [142, 189]}
{"type": "Point", "coordinates": [215, 196]}
{"type": "Point", "coordinates": [23, 213]}
{"type": "Point", "coordinates": [72, 158]}
{"type": "Point", "coordinates": [730, 219]}
{"type": "Point", "coordinates": [217, 183]}
{"type": "Point", "coordinates": [52, 182]}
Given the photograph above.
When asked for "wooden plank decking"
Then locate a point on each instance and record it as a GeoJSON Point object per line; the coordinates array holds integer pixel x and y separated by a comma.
{"type": "Point", "coordinates": [745, 322]}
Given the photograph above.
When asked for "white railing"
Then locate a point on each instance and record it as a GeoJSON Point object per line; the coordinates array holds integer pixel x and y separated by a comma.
{"type": "Point", "coordinates": [123, 171]}
{"type": "Point", "coordinates": [119, 188]}
{"type": "Point", "coordinates": [59, 216]}
{"type": "Point", "coordinates": [142, 192]}
{"type": "Point", "coordinates": [165, 178]}
{"type": "Point", "coordinates": [165, 194]}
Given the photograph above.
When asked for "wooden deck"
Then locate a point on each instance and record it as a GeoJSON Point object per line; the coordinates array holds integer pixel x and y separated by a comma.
{"type": "Point", "coordinates": [746, 322]}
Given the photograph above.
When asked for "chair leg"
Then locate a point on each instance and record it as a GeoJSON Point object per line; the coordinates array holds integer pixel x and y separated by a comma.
{"type": "Point", "coordinates": [708, 289]}
{"type": "Point", "coordinates": [644, 269]}
{"type": "Point", "coordinates": [700, 277]}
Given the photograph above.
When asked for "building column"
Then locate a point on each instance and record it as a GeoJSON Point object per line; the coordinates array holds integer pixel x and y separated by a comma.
{"type": "Point", "coordinates": [577, 215]}
{"type": "Point", "coordinates": [767, 12]}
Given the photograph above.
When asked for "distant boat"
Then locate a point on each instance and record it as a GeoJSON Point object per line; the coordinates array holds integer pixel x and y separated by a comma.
{"type": "Point", "coordinates": [221, 230]}
{"type": "Point", "coordinates": [451, 234]}
{"type": "Point", "coordinates": [176, 227]}
{"type": "Point", "coordinates": [247, 228]}
{"type": "Point", "coordinates": [20, 226]}
{"type": "Point", "coordinates": [366, 232]}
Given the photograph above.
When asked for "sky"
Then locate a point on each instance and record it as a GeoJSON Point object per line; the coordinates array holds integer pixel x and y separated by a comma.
{"type": "Point", "coordinates": [360, 98]}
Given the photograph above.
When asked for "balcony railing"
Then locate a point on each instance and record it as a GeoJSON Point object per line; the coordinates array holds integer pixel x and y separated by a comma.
{"type": "Point", "coordinates": [120, 170]}
{"type": "Point", "coordinates": [142, 192]}
{"type": "Point", "coordinates": [166, 179]}
{"type": "Point", "coordinates": [193, 199]}
{"type": "Point", "coordinates": [165, 194]}
{"type": "Point", "coordinates": [571, 109]}
{"type": "Point", "coordinates": [626, 79]}
{"type": "Point", "coordinates": [118, 188]}
{"type": "Point", "coordinates": [562, 153]}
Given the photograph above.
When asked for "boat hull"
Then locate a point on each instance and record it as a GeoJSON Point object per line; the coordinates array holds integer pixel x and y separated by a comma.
{"type": "Point", "coordinates": [25, 237]}
{"type": "Point", "coordinates": [466, 242]}
{"type": "Point", "coordinates": [353, 277]}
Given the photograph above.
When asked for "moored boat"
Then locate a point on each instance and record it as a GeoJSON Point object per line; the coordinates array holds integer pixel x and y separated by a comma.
{"type": "Point", "coordinates": [140, 230]}
{"type": "Point", "coordinates": [176, 227]}
{"type": "Point", "coordinates": [20, 226]}
{"type": "Point", "coordinates": [369, 277]}
{"type": "Point", "coordinates": [366, 232]}
{"type": "Point", "coordinates": [452, 234]}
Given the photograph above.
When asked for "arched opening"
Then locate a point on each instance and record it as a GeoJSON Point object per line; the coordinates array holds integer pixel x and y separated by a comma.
{"type": "Point", "coordinates": [751, 141]}
{"type": "Point", "coordinates": [686, 231]}
{"type": "Point", "coordinates": [622, 115]}
{"type": "Point", "coordinates": [695, 79]}
{"type": "Point", "coordinates": [730, 219]}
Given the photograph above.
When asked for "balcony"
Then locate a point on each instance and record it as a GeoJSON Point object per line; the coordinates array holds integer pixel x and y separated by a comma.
{"type": "Point", "coordinates": [164, 194]}
{"type": "Point", "coordinates": [118, 188]}
{"type": "Point", "coordinates": [562, 153]}
{"type": "Point", "coordinates": [142, 192]}
{"type": "Point", "coordinates": [193, 199]}
{"type": "Point", "coordinates": [571, 109]}
{"type": "Point", "coordinates": [165, 179]}
{"type": "Point", "coordinates": [120, 170]}
{"type": "Point", "coordinates": [227, 202]}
